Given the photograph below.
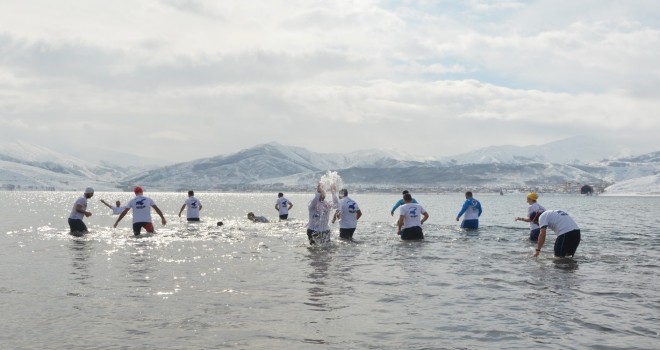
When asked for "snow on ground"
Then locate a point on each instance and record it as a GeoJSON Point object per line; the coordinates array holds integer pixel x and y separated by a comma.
{"type": "Point", "coordinates": [641, 186]}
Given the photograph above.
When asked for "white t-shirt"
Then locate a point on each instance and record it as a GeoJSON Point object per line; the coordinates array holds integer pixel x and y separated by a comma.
{"type": "Point", "coordinates": [117, 210]}
{"type": "Point", "coordinates": [534, 208]}
{"type": "Point", "coordinates": [75, 214]}
{"type": "Point", "coordinates": [141, 206]}
{"type": "Point", "coordinates": [283, 205]}
{"type": "Point", "coordinates": [348, 209]}
{"type": "Point", "coordinates": [412, 214]}
{"type": "Point", "coordinates": [558, 221]}
{"type": "Point", "coordinates": [319, 214]}
{"type": "Point", "coordinates": [192, 207]}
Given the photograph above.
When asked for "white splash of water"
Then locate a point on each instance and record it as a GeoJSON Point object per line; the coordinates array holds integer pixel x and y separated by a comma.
{"type": "Point", "coordinates": [329, 179]}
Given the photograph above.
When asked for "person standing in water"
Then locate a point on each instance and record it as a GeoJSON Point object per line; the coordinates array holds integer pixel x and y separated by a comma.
{"type": "Point", "coordinates": [194, 206]}
{"type": "Point", "coordinates": [318, 228]}
{"type": "Point", "coordinates": [115, 210]}
{"type": "Point", "coordinates": [348, 213]}
{"type": "Point", "coordinates": [400, 202]}
{"type": "Point", "coordinates": [472, 210]}
{"type": "Point", "coordinates": [283, 205]}
{"type": "Point", "coordinates": [78, 212]}
{"type": "Point", "coordinates": [141, 206]}
{"type": "Point", "coordinates": [568, 232]}
{"type": "Point", "coordinates": [533, 212]}
{"type": "Point", "coordinates": [412, 217]}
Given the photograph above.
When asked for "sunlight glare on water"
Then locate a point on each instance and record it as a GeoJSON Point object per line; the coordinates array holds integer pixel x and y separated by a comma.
{"type": "Point", "coordinates": [260, 285]}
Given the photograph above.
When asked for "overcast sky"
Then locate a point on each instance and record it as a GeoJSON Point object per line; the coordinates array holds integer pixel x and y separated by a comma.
{"type": "Point", "coordinates": [185, 79]}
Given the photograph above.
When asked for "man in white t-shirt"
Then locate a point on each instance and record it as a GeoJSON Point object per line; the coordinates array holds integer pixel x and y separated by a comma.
{"type": "Point", "coordinates": [568, 232]}
{"type": "Point", "coordinates": [283, 205]}
{"type": "Point", "coordinates": [194, 206]}
{"type": "Point", "coordinates": [411, 218]}
{"type": "Point", "coordinates": [318, 228]}
{"type": "Point", "coordinates": [141, 206]}
{"type": "Point", "coordinates": [78, 212]}
{"type": "Point", "coordinates": [348, 213]}
{"type": "Point", "coordinates": [115, 210]}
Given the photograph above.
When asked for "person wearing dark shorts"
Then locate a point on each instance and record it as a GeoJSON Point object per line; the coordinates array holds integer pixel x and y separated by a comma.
{"type": "Point", "coordinates": [568, 233]}
{"type": "Point", "coordinates": [137, 227]}
{"type": "Point", "coordinates": [78, 212]}
{"type": "Point", "coordinates": [411, 218]}
{"type": "Point", "coordinates": [283, 205]}
{"type": "Point", "coordinates": [348, 212]}
{"type": "Point", "coordinates": [141, 206]}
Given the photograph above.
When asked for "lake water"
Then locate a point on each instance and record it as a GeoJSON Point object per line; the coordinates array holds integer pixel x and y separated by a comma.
{"type": "Point", "coordinates": [260, 286]}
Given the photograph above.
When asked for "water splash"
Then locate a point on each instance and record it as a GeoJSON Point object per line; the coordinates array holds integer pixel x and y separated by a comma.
{"type": "Point", "coordinates": [331, 178]}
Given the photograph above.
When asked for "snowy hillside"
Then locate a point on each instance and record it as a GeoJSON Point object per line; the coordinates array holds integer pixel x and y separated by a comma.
{"type": "Point", "coordinates": [644, 186]}
{"type": "Point", "coordinates": [273, 165]}
{"type": "Point", "coordinates": [575, 150]}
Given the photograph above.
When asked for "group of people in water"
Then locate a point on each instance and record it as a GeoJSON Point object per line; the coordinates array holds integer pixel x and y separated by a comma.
{"type": "Point", "coordinates": [412, 216]}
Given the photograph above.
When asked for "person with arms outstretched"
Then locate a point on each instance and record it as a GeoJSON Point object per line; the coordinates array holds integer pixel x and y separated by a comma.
{"type": "Point", "coordinates": [141, 206]}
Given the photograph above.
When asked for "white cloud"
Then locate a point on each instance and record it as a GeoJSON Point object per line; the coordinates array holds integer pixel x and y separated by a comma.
{"type": "Point", "coordinates": [232, 74]}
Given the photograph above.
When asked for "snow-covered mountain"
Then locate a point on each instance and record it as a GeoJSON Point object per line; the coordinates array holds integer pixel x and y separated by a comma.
{"type": "Point", "coordinates": [574, 150]}
{"type": "Point", "coordinates": [272, 165]}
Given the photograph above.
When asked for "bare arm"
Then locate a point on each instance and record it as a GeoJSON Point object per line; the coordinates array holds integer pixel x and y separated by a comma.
{"type": "Point", "coordinates": [160, 213]}
{"type": "Point", "coordinates": [426, 216]}
{"type": "Point", "coordinates": [121, 216]}
{"type": "Point", "coordinates": [181, 211]}
{"type": "Point", "coordinates": [81, 210]}
{"type": "Point", "coordinates": [541, 241]}
{"type": "Point", "coordinates": [400, 224]}
{"type": "Point", "coordinates": [108, 205]}
{"type": "Point", "coordinates": [358, 215]}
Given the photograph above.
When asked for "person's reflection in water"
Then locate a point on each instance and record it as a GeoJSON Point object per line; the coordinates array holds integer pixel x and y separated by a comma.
{"type": "Point", "coordinates": [141, 266]}
{"type": "Point", "coordinates": [319, 260]}
{"type": "Point", "coordinates": [81, 250]}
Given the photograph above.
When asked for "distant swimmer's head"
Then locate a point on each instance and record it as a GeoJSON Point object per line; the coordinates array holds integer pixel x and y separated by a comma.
{"type": "Point", "coordinates": [220, 223]}
{"type": "Point", "coordinates": [343, 193]}
{"type": "Point", "coordinates": [138, 190]}
{"type": "Point", "coordinates": [118, 204]}
{"type": "Point", "coordinates": [533, 196]}
{"type": "Point", "coordinates": [251, 216]}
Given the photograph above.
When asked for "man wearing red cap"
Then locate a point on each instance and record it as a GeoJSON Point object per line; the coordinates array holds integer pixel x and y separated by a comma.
{"type": "Point", "coordinates": [141, 206]}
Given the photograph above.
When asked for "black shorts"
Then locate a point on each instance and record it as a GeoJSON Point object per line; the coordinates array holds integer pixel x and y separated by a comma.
{"type": "Point", "coordinates": [318, 237]}
{"type": "Point", "coordinates": [193, 219]}
{"type": "Point", "coordinates": [346, 233]}
{"type": "Point", "coordinates": [567, 243]}
{"type": "Point", "coordinates": [137, 226]}
{"type": "Point", "coordinates": [77, 225]}
{"type": "Point", "coordinates": [411, 233]}
{"type": "Point", "coordinates": [284, 216]}
{"type": "Point", "coordinates": [534, 234]}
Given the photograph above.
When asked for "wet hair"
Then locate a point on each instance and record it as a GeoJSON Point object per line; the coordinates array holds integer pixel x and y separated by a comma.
{"type": "Point", "coordinates": [220, 223]}
{"type": "Point", "coordinates": [405, 192]}
{"type": "Point", "coordinates": [407, 197]}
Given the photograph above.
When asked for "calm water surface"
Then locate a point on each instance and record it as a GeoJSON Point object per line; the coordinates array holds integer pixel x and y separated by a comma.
{"type": "Point", "coordinates": [251, 286]}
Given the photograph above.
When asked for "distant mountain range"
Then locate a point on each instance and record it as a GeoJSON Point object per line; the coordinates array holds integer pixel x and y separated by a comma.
{"type": "Point", "coordinates": [558, 166]}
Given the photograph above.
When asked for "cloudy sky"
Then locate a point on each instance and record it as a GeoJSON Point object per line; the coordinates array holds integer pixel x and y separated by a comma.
{"type": "Point", "coordinates": [185, 79]}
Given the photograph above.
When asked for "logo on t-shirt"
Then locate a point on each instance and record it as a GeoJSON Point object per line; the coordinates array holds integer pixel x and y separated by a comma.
{"type": "Point", "coordinates": [140, 204]}
{"type": "Point", "coordinates": [413, 212]}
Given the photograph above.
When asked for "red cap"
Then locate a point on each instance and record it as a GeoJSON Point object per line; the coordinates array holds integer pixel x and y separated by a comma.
{"type": "Point", "coordinates": [137, 190]}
